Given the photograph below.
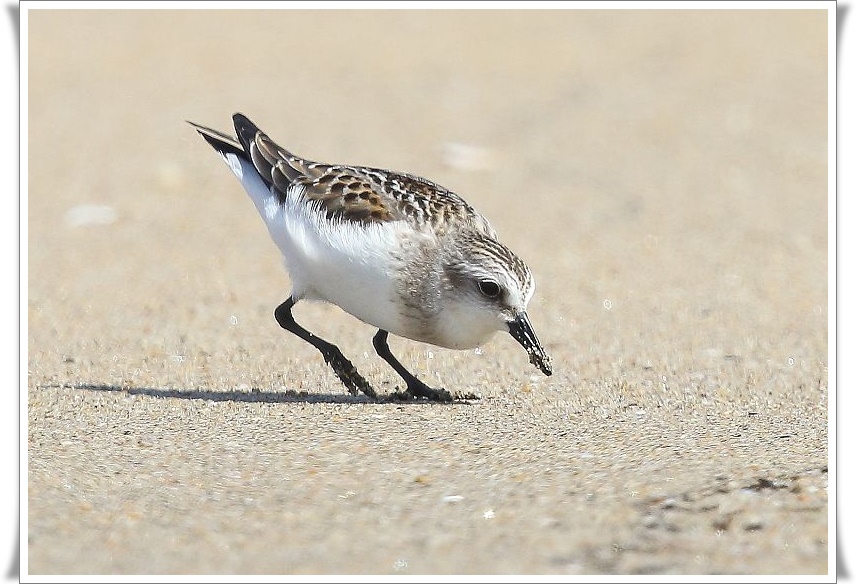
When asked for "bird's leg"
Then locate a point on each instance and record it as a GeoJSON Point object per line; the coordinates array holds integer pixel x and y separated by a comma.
{"type": "Point", "coordinates": [415, 388]}
{"type": "Point", "coordinates": [343, 368]}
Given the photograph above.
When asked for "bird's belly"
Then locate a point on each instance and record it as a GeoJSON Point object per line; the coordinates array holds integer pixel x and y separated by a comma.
{"type": "Point", "coordinates": [345, 264]}
{"type": "Point", "coordinates": [366, 293]}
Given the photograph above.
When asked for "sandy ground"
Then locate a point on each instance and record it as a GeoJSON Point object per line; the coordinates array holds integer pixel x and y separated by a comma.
{"type": "Point", "coordinates": [664, 174]}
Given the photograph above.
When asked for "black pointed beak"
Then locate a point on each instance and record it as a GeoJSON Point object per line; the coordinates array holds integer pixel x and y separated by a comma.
{"type": "Point", "coordinates": [521, 329]}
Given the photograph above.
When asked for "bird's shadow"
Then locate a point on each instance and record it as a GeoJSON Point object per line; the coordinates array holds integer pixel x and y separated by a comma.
{"type": "Point", "coordinates": [254, 396]}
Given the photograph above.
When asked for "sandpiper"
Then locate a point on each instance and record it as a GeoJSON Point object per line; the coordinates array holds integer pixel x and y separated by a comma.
{"type": "Point", "coordinates": [395, 250]}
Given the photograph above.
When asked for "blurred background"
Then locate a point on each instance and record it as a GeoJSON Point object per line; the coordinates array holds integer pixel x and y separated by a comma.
{"type": "Point", "coordinates": [663, 173]}
{"type": "Point", "coordinates": [657, 160]}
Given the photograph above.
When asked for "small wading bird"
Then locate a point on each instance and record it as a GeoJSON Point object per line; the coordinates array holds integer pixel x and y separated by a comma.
{"type": "Point", "coordinates": [397, 251]}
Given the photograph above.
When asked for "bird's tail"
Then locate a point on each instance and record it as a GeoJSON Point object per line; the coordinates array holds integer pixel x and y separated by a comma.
{"type": "Point", "coordinates": [236, 155]}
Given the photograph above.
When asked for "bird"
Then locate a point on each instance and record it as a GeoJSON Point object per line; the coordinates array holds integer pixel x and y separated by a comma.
{"type": "Point", "coordinates": [395, 250]}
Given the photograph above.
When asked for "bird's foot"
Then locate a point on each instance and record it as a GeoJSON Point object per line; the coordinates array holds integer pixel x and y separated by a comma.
{"type": "Point", "coordinates": [349, 375]}
{"type": "Point", "coordinates": [417, 389]}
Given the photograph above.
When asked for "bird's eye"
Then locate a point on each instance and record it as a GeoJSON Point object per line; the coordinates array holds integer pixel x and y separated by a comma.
{"type": "Point", "coordinates": [489, 288]}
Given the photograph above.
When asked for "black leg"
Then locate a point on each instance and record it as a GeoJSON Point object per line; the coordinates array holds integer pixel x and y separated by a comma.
{"type": "Point", "coordinates": [343, 368]}
{"type": "Point", "coordinates": [415, 388]}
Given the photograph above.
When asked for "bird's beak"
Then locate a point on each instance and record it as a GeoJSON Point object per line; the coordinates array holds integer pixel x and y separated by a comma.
{"type": "Point", "coordinates": [521, 329]}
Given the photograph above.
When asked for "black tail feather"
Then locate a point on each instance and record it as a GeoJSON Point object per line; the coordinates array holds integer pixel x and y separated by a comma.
{"type": "Point", "coordinates": [245, 130]}
{"type": "Point", "coordinates": [219, 141]}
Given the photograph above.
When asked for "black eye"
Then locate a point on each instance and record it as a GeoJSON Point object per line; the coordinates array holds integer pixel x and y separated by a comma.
{"type": "Point", "coordinates": [489, 288]}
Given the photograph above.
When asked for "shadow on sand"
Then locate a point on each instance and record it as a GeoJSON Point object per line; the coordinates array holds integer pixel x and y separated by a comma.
{"type": "Point", "coordinates": [288, 396]}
